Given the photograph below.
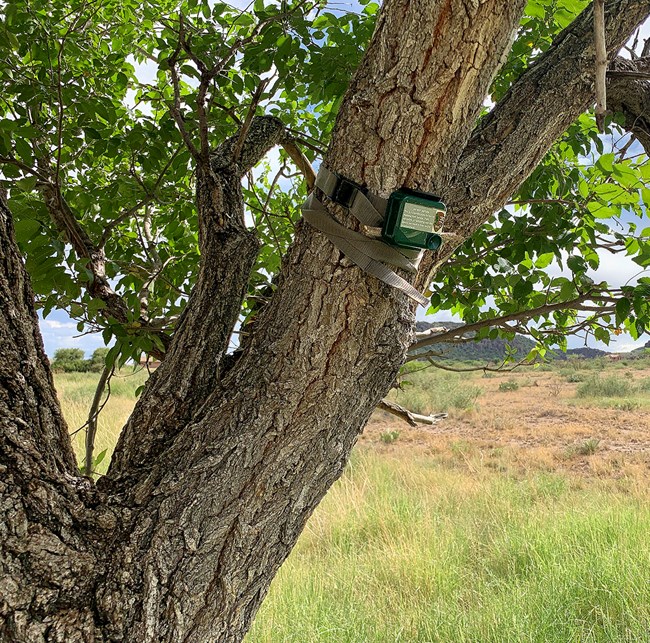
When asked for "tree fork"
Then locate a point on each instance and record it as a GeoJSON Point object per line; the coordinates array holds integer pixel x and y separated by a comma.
{"type": "Point", "coordinates": [265, 447]}
{"type": "Point", "coordinates": [185, 546]}
{"type": "Point", "coordinates": [191, 371]}
{"type": "Point", "coordinates": [513, 138]}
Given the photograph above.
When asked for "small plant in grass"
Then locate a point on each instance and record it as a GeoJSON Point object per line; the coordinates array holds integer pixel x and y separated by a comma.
{"type": "Point", "coordinates": [464, 397]}
{"type": "Point", "coordinates": [626, 405]}
{"type": "Point", "coordinates": [644, 385]}
{"type": "Point", "coordinates": [509, 385]}
{"type": "Point", "coordinates": [588, 447]}
{"type": "Point", "coordinates": [388, 437]}
{"type": "Point", "coordinates": [613, 386]}
{"type": "Point", "coordinates": [575, 377]}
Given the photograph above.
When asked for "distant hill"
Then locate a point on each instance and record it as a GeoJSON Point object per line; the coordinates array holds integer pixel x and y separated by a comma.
{"type": "Point", "coordinates": [487, 350]}
{"type": "Point", "coordinates": [494, 350]}
{"type": "Point", "coordinates": [585, 352]}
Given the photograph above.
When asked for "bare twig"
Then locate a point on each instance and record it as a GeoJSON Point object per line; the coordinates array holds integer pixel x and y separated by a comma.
{"type": "Point", "coordinates": [207, 76]}
{"type": "Point", "coordinates": [175, 107]}
{"type": "Point", "coordinates": [151, 195]}
{"type": "Point", "coordinates": [12, 160]}
{"type": "Point", "coordinates": [95, 409]}
{"type": "Point", "coordinates": [243, 131]}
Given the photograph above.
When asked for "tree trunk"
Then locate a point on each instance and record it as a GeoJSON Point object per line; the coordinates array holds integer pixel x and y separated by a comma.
{"type": "Point", "coordinates": [47, 527]}
{"type": "Point", "coordinates": [219, 468]}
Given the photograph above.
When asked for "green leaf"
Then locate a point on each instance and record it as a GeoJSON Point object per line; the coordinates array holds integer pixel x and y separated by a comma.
{"type": "Point", "coordinates": [26, 229]}
{"type": "Point", "coordinates": [24, 150]}
{"type": "Point", "coordinates": [92, 133]}
{"type": "Point", "coordinates": [606, 163]}
{"type": "Point", "coordinates": [100, 458]}
{"type": "Point", "coordinates": [522, 289]}
{"type": "Point", "coordinates": [622, 310]}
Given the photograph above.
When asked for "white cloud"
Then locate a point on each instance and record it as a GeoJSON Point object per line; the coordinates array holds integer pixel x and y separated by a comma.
{"type": "Point", "coordinates": [53, 323]}
{"type": "Point", "coordinates": [627, 347]}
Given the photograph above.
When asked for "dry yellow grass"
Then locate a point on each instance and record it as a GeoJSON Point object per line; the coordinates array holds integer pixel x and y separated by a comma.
{"type": "Point", "coordinates": [542, 425]}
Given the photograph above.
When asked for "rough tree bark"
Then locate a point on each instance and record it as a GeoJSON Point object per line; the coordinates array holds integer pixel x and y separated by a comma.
{"type": "Point", "coordinates": [218, 469]}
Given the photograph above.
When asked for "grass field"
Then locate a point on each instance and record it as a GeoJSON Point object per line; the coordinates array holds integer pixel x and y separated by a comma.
{"type": "Point", "coordinates": [524, 516]}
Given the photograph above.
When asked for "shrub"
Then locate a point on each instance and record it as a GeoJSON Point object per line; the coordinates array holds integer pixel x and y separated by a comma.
{"type": "Point", "coordinates": [510, 385]}
{"type": "Point", "coordinates": [644, 385]}
{"type": "Point", "coordinates": [388, 437]}
{"type": "Point", "coordinates": [69, 360]}
{"type": "Point", "coordinates": [613, 386]}
{"type": "Point", "coordinates": [98, 360]}
{"type": "Point", "coordinates": [575, 377]}
{"type": "Point", "coordinates": [626, 405]}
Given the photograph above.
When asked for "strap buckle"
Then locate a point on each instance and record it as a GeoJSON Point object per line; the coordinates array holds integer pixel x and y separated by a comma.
{"type": "Point", "coordinates": [344, 191]}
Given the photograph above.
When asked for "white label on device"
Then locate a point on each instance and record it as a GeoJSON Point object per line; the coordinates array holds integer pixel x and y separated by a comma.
{"type": "Point", "coordinates": [421, 218]}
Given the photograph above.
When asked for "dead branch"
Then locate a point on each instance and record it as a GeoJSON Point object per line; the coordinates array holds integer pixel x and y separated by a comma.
{"type": "Point", "coordinates": [301, 162]}
{"type": "Point", "coordinates": [408, 416]}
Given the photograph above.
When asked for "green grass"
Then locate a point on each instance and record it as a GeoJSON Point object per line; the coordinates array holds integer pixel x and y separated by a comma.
{"type": "Point", "coordinates": [76, 391]}
{"type": "Point", "coordinates": [434, 391]}
{"type": "Point", "coordinates": [611, 386]}
{"type": "Point", "coordinates": [615, 391]}
{"type": "Point", "coordinates": [509, 385]}
{"type": "Point", "coordinates": [409, 550]}
{"type": "Point", "coordinates": [414, 547]}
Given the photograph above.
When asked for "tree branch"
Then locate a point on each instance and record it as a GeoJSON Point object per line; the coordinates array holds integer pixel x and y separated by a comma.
{"type": "Point", "coordinates": [30, 415]}
{"type": "Point", "coordinates": [228, 253]}
{"type": "Point", "coordinates": [150, 196]}
{"type": "Point", "coordinates": [175, 107]}
{"type": "Point", "coordinates": [513, 138]}
{"type": "Point", "coordinates": [454, 333]}
{"type": "Point", "coordinates": [67, 224]}
{"type": "Point", "coordinates": [601, 64]}
{"type": "Point", "coordinates": [629, 95]}
{"type": "Point", "coordinates": [250, 114]}
{"type": "Point", "coordinates": [262, 134]}
{"type": "Point", "coordinates": [409, 416]}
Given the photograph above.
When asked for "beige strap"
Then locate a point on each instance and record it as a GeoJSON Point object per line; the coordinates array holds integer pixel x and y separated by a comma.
{"type": "Point", "coordinates": [369, 254]}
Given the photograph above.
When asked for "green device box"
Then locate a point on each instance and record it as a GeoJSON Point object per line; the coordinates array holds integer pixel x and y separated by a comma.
{"type": "Point", "coordinates": [412, 219]}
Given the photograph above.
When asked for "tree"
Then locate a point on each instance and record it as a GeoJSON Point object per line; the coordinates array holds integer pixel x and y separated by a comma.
{"type": "Point", "coordinates": [69, 359]}
{"type": "Point", "coordinates": [226, 455]}
{"type": "Point", "coordinates": [98, 359]}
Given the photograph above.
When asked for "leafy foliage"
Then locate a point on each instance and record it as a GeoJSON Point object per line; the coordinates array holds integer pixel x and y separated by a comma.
{"type": "Point", "coordinates": [72, 360]}
{"type": "Point", "coordinates": [87, 108]}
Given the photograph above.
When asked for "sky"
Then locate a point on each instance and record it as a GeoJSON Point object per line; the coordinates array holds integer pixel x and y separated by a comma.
{"type": "Point", "coordinates": [59, 331]}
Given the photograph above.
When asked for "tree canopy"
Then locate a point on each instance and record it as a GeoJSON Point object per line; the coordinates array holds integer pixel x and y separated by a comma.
{"type": "Point", "coordinates": [105, 107]}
